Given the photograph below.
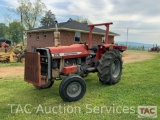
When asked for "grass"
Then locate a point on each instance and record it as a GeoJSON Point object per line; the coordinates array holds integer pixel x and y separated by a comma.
{"type": "Point", "coordinates": [11, 64]}
{"type": "Point", "coordinates": [139, 85]}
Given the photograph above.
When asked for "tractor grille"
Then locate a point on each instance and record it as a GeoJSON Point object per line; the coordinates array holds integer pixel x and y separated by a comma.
{"type": "Point", "coordinates": [32, 68]}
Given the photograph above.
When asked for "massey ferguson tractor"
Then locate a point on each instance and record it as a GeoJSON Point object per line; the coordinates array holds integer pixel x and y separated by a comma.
{"type": "Point", "coordinates": [72, 63]}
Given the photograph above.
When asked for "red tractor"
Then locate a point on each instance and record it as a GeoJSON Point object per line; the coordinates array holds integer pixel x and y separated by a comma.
{"type": "Point", "coordinates": [72, 63]}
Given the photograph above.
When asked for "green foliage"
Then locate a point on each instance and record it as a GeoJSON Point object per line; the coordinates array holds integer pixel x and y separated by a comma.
{"type": "Point", "coordinates": [12, 32]}
{"type": "Point", "coordinates": [139, 85]}
{"type": "Point", "coordinates": [16, 31]}
{"type": "Point", "coordinates": [83, 20]}
{"type": "Point", "coordinates": [136, 48]}
{"type": "Point", "coordinates": [30, 12]}
{"type": "Point", "coordinates": [11, 64]}
{"type": "Point", "coordinates": [48, 19]}
{"type": "Point", "coordinates": [3, 30]}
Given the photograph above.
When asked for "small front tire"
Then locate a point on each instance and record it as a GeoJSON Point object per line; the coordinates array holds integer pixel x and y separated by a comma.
{"type": "Point", "coordinates": [72, 88]}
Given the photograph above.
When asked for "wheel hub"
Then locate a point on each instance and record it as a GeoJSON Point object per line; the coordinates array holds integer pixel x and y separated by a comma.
{"type": "Point", "coordinates": [115, 68]}
{"type": "Point", "coordinates": [74, 89]}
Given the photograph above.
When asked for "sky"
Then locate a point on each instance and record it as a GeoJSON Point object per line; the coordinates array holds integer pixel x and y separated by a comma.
{"type": "Point", "coordinates": [140, 17]}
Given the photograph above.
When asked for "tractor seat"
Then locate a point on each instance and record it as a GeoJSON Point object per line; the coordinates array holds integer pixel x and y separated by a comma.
{"type": "Point", "coordinates": [94, 49]}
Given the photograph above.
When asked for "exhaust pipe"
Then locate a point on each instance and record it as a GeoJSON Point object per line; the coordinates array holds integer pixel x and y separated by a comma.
{"type": "Point", "coordinates": [56, 36]}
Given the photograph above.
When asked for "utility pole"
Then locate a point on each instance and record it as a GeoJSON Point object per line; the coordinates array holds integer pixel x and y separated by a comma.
{"type": "Point", "coordinates": [127, 37]}
{"type": "Point", "coordinates": [21, 26]}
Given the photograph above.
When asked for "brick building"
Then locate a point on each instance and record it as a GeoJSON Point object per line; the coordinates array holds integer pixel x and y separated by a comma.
{"type": "Point", "coordinates": [70, 32]}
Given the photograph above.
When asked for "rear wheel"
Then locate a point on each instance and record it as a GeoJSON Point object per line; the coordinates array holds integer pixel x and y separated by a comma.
{"type": "Point", "coordinates": [72, 88]}
{"type": "Point", "coordinates": [110, 67]}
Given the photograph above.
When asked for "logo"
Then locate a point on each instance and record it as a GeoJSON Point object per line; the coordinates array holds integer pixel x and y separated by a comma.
{"type": "Point", "coordinates": [147, 111]}
{"type": "Point", "coordinates": [65, 54]}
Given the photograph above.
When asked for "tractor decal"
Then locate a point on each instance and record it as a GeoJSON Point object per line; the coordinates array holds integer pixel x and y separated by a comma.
{"type": "Point", "coordinates": [65, 54]}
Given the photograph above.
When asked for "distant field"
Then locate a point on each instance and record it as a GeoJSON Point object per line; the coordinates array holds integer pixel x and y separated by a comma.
{"type": "Point", "coordinates": [130, 56]}
{"type": "Point", "coordinates": [139, 86]}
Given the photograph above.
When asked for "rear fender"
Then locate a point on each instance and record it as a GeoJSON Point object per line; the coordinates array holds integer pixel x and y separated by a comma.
{"type": "Point", "coordinates": [102, 49]}
{"type": "Point", "coordinates": [120, 48]}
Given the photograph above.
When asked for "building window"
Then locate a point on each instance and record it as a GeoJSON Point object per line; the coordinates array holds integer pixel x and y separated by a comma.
{"type": "Point", "coordinates": [103, 39]}
{"type": "Point", "coordinates": [37, 35]}
{"type": "Point", "coordinates": [77, 37]}
{"type": "Point", "coordinates": [44, 34]}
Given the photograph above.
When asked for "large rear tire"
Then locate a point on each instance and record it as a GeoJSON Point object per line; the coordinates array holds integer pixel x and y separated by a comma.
{"type": "Point", "coordinates": [110, 67]}
{"type": "Point", "coordinates": [72, 88]}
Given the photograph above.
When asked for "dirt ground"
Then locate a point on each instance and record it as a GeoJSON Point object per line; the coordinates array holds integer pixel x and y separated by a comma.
{"type": "Point", "coordinates": [132, 56]}
{"type": "Point", "coordinates": [128, 57]}
{"type": "Point", "coordinates": [11, 71]}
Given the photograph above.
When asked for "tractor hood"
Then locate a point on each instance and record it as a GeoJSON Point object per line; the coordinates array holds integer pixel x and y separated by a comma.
{"type": "Point", "coordinates": [72, 51]}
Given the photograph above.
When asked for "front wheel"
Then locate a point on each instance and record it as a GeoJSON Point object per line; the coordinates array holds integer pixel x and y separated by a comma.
{"type": "Point", "coordinates": [110, 67]}
{"type": "Point", "coordinates": [72, 88]}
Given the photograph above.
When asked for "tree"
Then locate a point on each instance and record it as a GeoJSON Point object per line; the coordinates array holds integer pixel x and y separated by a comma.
{"type": "Point", "coordinates": [82, 20]}
{"type": "Point", "coordinates": [48, 19]}
{"type": "Point", "coordinates": [30, 12]}
{"type": "Point", "coordinates": [16, 31]}
{"type": "Point", "coordinates": [7, 19]}
{"type": "Point", "coordinates": [3, 30]}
